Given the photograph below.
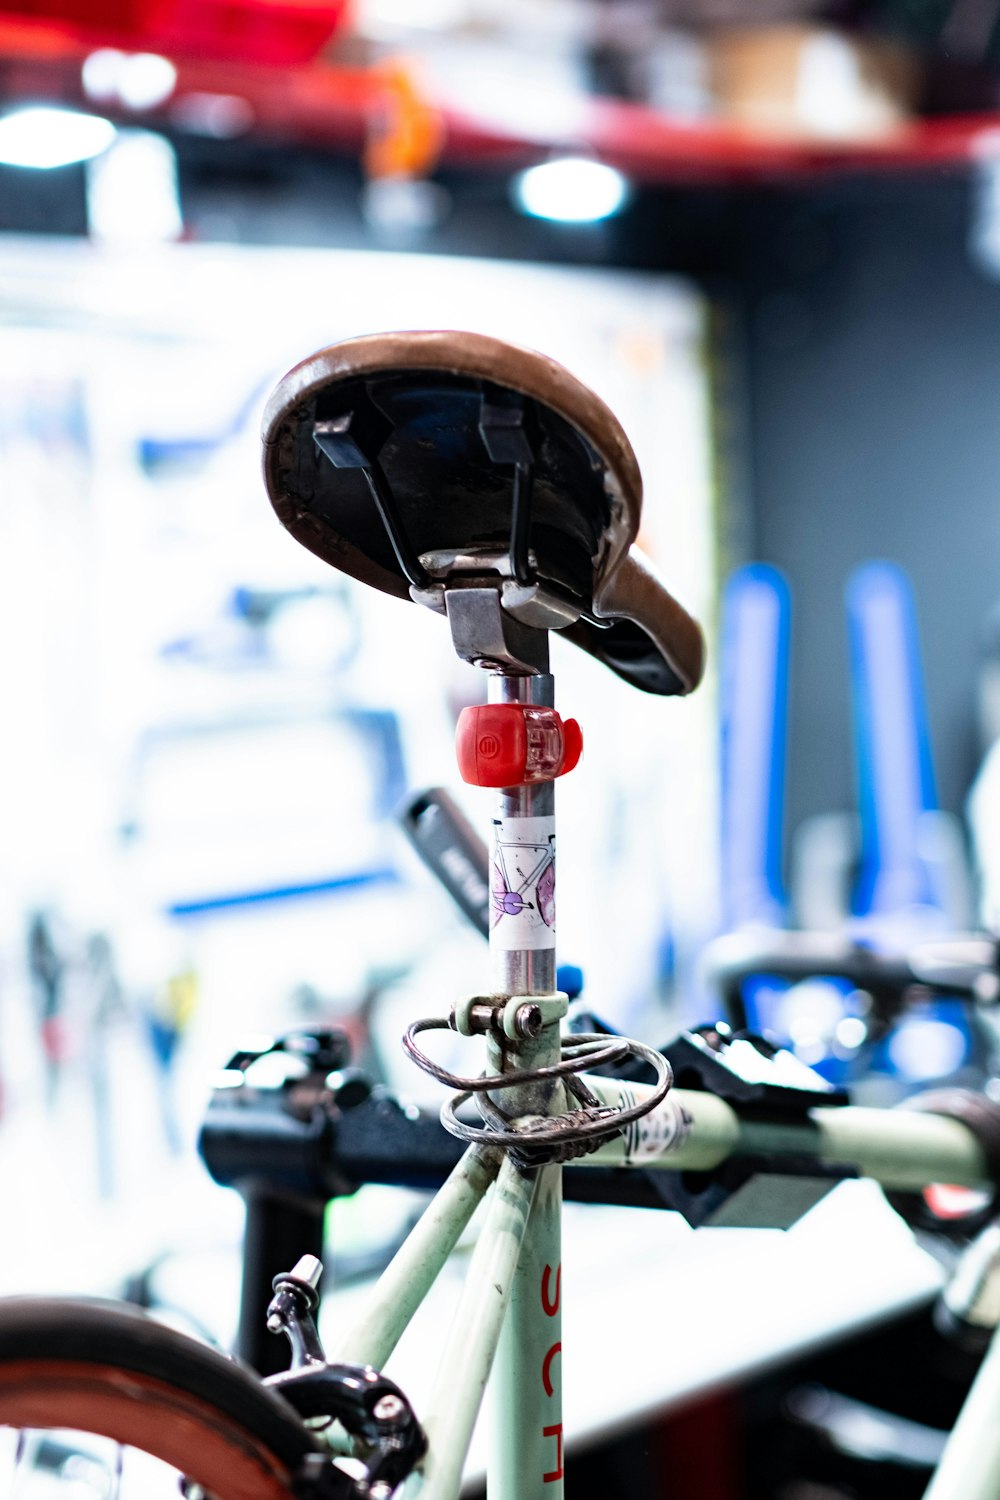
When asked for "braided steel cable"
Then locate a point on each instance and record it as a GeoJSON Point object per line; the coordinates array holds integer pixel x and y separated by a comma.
{"type": "Point", "coordinates": [536, 1140]}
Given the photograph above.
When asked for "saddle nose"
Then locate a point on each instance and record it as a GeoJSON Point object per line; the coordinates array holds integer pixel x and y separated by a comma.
{"type": "Point", "coordinates": [418, 462]}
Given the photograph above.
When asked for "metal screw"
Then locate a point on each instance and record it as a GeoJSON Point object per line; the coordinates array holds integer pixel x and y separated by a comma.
{"type": "Point", "coordinates": [388, 1408]}
{"type": "Point", "coordinates": [528, 1020]}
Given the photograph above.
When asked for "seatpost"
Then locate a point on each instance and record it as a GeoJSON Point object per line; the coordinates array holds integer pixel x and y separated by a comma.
{"type": "Point", "coordinates": [517, 744]}
{"type": "Point", "coordinates": [514, 969]}
{"type": "Point", "coordinates": [526, 1431]}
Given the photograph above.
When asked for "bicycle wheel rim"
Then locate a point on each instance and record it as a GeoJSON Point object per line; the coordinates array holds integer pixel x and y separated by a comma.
{"type": "Point", "coordinates": [111, 1372]}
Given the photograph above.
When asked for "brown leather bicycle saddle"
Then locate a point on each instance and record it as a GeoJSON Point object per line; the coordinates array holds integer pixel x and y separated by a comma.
{"type": "Point", "coordinates": [414, 461]}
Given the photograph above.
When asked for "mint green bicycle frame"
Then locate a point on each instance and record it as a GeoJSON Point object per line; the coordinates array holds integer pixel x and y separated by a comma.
{"type": "Point", "coordinates": [506, 1327]}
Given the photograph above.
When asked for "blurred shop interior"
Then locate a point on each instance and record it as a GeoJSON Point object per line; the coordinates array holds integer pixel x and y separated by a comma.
{"type": "Point", "coordinates": [768, 236]}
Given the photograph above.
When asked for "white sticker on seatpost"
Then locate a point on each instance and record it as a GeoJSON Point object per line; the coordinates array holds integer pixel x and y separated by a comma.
{"type": "Point", "coordinates": [523, 883]}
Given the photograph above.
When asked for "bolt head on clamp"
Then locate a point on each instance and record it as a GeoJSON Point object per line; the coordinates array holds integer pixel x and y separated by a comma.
{"type": "Point", "coordinates": [515, 744]}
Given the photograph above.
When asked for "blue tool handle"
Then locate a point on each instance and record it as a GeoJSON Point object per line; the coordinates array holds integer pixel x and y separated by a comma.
{"type": "Point", "coordinates": [756, 613]}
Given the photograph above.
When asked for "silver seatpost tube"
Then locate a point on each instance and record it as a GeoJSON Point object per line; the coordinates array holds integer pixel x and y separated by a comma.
{"type": "Point", "coordinates": [526, 1460]}
{"type": "Point", "coordinates": [516, 970]}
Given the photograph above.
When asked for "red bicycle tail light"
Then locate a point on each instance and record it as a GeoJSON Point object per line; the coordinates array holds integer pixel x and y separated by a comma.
{"type": "Point", "coordinates": [514, 744]}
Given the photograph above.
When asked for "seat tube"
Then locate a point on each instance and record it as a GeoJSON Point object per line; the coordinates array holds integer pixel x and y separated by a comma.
{"type": "Point", "coordinates": [526, 1460]}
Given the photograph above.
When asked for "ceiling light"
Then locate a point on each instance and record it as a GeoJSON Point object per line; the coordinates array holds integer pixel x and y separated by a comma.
{"type": "Point", "coordinates": [39, 136]}
{"type": "Point", "coordinates": [137, 80]}
{"type": "Point", "coordinates": [571, 190]}
{"type": "Point", "coordinates": [147, 80]}
{"type": "Point", "coordinates": [101, 73]}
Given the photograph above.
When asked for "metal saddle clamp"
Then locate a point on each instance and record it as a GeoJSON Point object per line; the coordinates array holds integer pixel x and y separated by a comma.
{"type": "Point", "coordinates": [497, 608]}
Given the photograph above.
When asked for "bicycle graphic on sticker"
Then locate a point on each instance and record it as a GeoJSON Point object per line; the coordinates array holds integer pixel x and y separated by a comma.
{"type": "Point", "coordinates": [523, 883]}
